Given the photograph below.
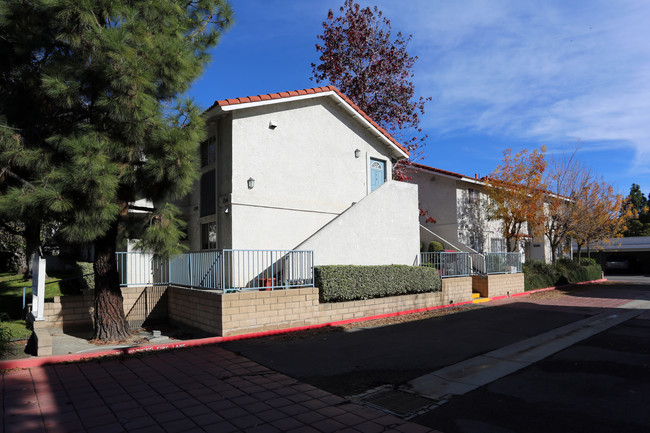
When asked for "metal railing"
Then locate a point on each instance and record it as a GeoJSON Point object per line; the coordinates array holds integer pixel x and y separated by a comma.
{"type": "Point", "coordinates": [267, 269]}
{"type": "Point", "coordinates": [141, 269]}
{"type": "Point", "coordinates": [503, 263]}
{"type": "Point", "coordinates": [478, 264]}
{"type": "Point", "coordinates": [227, 270]}
{"type": "Point", "coordinates": [448, 264]}
{"type": "Point", "coordinates": [462, 264]}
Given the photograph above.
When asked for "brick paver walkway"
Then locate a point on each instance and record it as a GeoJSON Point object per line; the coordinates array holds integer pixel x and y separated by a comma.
{"type": "Point", "coordinates": [206, 389]}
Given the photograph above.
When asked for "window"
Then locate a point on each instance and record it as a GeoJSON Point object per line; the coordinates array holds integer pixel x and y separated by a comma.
{"type": "Point", "coordinates": [472, 196]}
{"type": "Point", "coordinates": [498, 245]}
{"type": "Point", "coordinates": [208, 193]}
{"type": "Point", "coordinates": [209, 151]}
{"type": "Point", "coordinates": [209, 236]}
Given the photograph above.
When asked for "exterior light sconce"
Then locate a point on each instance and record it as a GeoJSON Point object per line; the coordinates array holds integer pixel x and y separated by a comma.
{"type": "Point", "coordinates": [357, 153]}
{"type": "Point", "coordinates": [251, 183]}
{"type": "Point", "coordinates": [272, 124]}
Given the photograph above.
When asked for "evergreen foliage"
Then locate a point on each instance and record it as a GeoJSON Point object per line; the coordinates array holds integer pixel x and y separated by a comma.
{"type": "Point", "coordinates": [636, 209]}
{"type": "Point", "coordinates": [538, 274]}
{"type": "Point", "coordinates": [94, 120]}
{"type": "Point", "coordinates": [338, 283]}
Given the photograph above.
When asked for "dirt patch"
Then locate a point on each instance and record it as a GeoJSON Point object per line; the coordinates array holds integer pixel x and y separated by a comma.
{"type": "Point", "coordinates": [16, 350]}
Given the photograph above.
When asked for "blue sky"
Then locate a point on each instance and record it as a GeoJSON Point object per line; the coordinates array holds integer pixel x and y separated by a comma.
{"type": "Point", "coordinates": [502, 74]}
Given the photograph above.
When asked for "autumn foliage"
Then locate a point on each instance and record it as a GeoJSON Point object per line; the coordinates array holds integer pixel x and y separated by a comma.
{"type": "Point", "coordinates": [562, 200]}
{"type": "Point", "coordinates": [516, 191]}
{"type": "Point", "coordinates": [598, 215]}
{"type": "Point", "coordinates": [566, 179]}
{"type": "Point", "coordinates": [359, 55]}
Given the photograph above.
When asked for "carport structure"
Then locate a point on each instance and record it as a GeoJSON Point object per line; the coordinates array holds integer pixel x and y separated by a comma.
{"type": "Point", "coordinates": [634, 249]}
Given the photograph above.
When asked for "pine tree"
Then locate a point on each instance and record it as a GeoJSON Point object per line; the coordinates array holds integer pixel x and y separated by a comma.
{"type": "Point", "coordinates": [93, 91]}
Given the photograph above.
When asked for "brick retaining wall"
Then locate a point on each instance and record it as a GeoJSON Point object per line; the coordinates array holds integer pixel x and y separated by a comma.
{"type": "Point", "coordinates": [77, 310]}
{"type": "Point", "coordinates": [256, 311]}
{"type": "Point", "coordinates": [498, 284]}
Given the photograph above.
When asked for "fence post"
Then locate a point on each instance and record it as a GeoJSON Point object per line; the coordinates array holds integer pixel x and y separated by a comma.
{"type": "Point", "coordinates": [223, 268]}
{"type": "Point", "coordinates": [190, 271]}
{"type": "Point", "coordinates": [38, 287]}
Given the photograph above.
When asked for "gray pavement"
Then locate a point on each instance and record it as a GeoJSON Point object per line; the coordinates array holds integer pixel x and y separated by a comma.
{"type": "Point", "coordinates": [598, 381]}
{"type": "Point", "coordinates": [350, 363]}
{"type": "Point", "coordinates": [481, 370]}
{"type": "Point", "coordinates": [599, 385]}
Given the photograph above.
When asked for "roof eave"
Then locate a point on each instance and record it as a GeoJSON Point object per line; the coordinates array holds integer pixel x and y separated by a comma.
{"type": "Point", "coordinates": [396, 151]}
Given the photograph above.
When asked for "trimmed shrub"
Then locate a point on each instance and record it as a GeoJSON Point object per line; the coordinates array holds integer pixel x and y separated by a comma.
{"type": "Point", "coordinates": [435, 247]}
{"type": "Point", "coordinates": [538, 274]}
{"type": "Point", "coordinates": [338, 283]}
{"type": "Point", "coordinates": [586, 261]}
{"type": "Point", "coordinates": [5, 335]}
{"type": "Point", "coordinates": [88, 280]}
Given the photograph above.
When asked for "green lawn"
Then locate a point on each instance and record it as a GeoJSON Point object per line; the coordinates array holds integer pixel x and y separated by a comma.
{"type": "Point", "coordinates": [11, 298]}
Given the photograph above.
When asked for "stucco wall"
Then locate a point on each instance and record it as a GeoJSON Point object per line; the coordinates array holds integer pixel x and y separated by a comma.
{"type": "Point", "coordinates": [437, 195]}
{"type": "Point", "coordinates": [381, 229]}
{"type": "Point", "coordinates": [304, 168]}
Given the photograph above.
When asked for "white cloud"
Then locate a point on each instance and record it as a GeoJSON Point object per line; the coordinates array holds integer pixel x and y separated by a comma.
{"type": "Point", "coordinates": [548, 71]}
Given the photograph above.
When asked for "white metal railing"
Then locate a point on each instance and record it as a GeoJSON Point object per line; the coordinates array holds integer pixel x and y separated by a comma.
{"type": "Point", "coordinates": [503, 263]}
{"type": "Point", "coordinates": [227, 270]}
{"type": "Point", "coordinates": [267, 269]}
{"type": "Point", "coordinates": [448, 264]}
{"type": "Point", "coordinates": [478, 264]}
{"type": "Point", "coordinates": [141, 269]}
{"type": "Point", "coordinates": [460, 264]}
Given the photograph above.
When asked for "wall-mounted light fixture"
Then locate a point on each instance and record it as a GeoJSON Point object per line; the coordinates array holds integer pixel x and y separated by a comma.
{"type": "Point", "coordinates": [272, 124]}
{"type": "Point", "coordinates": [357, 153]}
{"type": "Point", "coordinates": [251, 183]}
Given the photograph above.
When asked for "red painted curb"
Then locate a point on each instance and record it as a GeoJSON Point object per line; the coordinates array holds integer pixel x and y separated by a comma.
{"type": "Point", "coordinates": [546, 289]}
{"type": "Point", "coordinates": [57, 359]}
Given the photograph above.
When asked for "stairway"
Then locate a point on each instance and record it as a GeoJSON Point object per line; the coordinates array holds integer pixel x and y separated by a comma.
{"type": "Point", "coordinates": [477, 299]}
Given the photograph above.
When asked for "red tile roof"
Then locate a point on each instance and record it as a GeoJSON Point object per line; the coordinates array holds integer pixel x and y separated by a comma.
{"type": "Point", "coordinates": [438, 170]}
{"type": "Point", "coordinates": [292, 93]}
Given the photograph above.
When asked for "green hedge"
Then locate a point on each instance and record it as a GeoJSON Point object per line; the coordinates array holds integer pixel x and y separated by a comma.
{"type": "Point", "coordinates": [339, 283]}
{"type": "Point", "coordinates": [538, 274]}
{"type": "Point", "coordinates": [435, 247]}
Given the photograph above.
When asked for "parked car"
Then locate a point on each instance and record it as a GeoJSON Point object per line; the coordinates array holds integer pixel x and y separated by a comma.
{"type": "Point", "coordinates": [617, 264]}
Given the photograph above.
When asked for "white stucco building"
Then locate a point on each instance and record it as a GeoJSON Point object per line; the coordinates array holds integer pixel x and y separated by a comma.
{"type": "Point", "coordinates": [457, 203]}
{"type": "Point", "coordinates": [306, 170]}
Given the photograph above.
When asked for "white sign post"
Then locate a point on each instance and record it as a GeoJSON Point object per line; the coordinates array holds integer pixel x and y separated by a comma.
{"type": "Point", "coordinates": [38, 287]}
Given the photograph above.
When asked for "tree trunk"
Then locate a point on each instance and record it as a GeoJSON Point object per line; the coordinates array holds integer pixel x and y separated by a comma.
{"type": "Point", "coordinates": [32, 236]}
{"type": "Point", "coordinates": [110, 322]}
{"type": "Point", "coordinates": [579, 252]}
{"type": "Point", "coordinates": [553, 253]}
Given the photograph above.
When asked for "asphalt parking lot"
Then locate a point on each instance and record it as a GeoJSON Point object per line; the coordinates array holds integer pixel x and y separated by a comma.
{"type": "Point", "coordinates": [600, 384]}
{"type": "Point", "coordinates": [347, 363]}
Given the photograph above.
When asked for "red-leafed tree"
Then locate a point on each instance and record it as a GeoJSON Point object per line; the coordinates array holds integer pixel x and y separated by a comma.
{"type": "Point", "coordinates": [359, 56]}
